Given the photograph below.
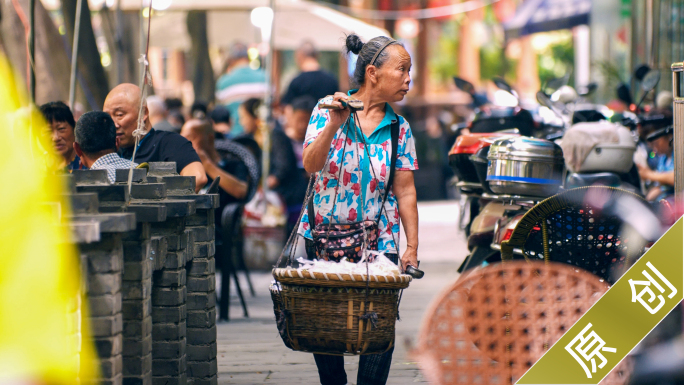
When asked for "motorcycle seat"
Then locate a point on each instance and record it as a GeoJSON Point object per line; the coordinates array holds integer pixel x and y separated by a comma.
{"type": "Point", "coordinates": [590, 179]}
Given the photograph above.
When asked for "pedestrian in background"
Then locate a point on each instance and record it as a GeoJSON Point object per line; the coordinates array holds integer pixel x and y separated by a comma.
{"type": "Point", "coordinates": [220, 117]}
{"type": "Point", "coordinates": [312, 81]}
{"type": "Point", "coordinates": [239, 83]}
{"type": "Point", "coordinates": [158, 114]}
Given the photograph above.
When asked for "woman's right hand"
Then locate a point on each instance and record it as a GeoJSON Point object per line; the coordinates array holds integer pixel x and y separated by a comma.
{"type": "Point", "coordinates": [338, 117]}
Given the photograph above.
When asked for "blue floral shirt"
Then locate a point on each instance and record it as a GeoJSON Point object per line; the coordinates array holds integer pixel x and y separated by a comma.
{"type": "Point", "coordinates": [359, 188]}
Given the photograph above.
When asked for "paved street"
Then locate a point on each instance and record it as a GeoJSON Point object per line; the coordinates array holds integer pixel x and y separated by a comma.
{"type": "Point", "coordinates": [251, 352]}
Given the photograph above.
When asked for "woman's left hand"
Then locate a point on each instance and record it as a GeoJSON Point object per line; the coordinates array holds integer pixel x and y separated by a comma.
{"type": "Point", "coordinates": [410, 257]}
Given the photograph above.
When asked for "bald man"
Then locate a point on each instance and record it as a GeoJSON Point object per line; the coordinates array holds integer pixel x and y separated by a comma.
{"type": "Point", "coordinates": [123, 103]}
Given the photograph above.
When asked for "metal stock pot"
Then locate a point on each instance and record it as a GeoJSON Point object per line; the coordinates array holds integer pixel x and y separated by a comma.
{"type": "Point", "coordinates": [525, 166]}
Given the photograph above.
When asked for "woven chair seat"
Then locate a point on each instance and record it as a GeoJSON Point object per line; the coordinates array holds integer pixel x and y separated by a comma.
{"type": "Point", "coordinates": [493, 324]}
{"type": "Point", "coordinates": [569, 228]}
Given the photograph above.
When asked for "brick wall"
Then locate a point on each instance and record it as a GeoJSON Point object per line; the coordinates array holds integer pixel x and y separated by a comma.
{"type": "Point", "coordinates": [149, 272]}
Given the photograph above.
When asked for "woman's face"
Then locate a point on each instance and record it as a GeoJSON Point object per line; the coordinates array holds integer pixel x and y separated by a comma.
{"type": "Point", "coordinates": [246, 120]}
{"type": "Point", "coordinates": [393, 77]}
{"type": "Point", "coordinates": [662, 145]}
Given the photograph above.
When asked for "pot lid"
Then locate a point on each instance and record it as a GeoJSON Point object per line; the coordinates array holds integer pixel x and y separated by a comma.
{"type": "Point", "coordinates": [525, 147]}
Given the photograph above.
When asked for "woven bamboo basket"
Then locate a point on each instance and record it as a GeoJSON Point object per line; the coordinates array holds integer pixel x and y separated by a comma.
{"type": "Point", "coordinates": [336, 313]}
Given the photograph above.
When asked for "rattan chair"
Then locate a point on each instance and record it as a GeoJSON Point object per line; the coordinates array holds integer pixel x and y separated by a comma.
{"type": "Point", "coordinates": [577, 227]}
{"type": "Point", "coordinates": [494, 323]}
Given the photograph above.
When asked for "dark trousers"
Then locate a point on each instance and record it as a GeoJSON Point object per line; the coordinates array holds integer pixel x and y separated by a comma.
{"type": "Point", "coordinates": [373, 368]}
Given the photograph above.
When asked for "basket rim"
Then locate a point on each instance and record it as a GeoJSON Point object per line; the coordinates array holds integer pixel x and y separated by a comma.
{"type": "Point", "coordinates": [289, 272]}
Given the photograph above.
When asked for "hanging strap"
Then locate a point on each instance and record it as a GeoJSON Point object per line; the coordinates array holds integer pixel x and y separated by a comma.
{"type": "Point", "coordinates": [394, 133]}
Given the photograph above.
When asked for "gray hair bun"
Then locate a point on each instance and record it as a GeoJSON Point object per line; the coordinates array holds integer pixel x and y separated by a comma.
{"type": "Point", "coordinates": [354, 43]}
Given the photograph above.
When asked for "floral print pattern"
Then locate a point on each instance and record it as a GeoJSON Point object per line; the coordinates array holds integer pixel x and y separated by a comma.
{"type": "Point", "coordinates": [357, 181]}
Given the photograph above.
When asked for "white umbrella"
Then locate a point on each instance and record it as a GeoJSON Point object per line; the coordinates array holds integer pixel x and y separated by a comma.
{"type": "Point", "coordinates": [229, 21]}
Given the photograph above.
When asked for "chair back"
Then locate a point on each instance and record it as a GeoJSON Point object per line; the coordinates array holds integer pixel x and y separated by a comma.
{"type": "Point", "coordinates": [492, 325]}
{"type": "Point", "coordinates": [574, 227]}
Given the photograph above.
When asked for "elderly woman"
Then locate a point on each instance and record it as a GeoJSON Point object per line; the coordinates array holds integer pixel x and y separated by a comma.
{"type": "Point", "coordinates": [382, 76]}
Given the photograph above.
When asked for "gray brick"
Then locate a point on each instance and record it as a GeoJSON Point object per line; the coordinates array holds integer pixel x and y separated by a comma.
{"type": "Point", "coordinates": [139, 175]}
{"type": "Point", "coordinates": [135, 251]}
{"type": "Point", "coordinates": [160, 249]}
{"type": "Point", "coordinates": [202, 336]}
{"type": "Point", "coordinates": [106, 326]}
{"type": "Point", "coordinates": [111, 366]}
{"type": "Point", "coordinates": [161, 169]}
{"type": "Point", "coordinates": [170, 380]}
{"type": "Point", "coordinates": [136, 271]}
{"type": "Point", "coordinates": [168, 332]}
{"type": "Point", "coordinates": [136, 347]}
{"type": "Point", "coordinates": [148, 212]}
{"type": "Point", "coordinates": [201, 301]}
{"type": "Point", "coordinates": [202, 267]}
{"type": "Point", "coordinates": [105, 261]}
{"type": "Point", "coordinates": [148, 191]}
{"type": "Point", "coordinates": [171, 226]}
{"type": "Point", "coordinates": [174, 260]}
{"type": "Point", "coordinates": [204, 249]}
{"type": "Point", "coordinates": [213, 380]}
{"type": "Point", "coordinates": [168, 296]}
{"type": "Point", "coordinates": [170, 278]}
{"type": "Point", "coordinates": [201, 284]}
{"type": "Point", "coordinates": [104, 283]}
{"type": "Point", "coordinates": [108, 347]}
{"type": "Point", "coordinates": [202, 318]}
{"type": "Point", "coordinates": [145, 379]}
{"type": "Point", "coordinates": [203, 233]}
{"type": "Point", "coordinates": [142, 232]}
{"type": "Point", "coordinates": [201, 352]}
{"type": "Point", "coordinates": [137, 328]}
{"type": "Point", "coordinates": [104, 305]}
{"type": "Point", "coordinates": [169, 349]}
{"type": "Point", "coordinates": [137, 289]}
{"type": "Point", "coordinates": [168, 366]}
{"type": "Point", "coordinates": [202, 369]}
{"type": "Point", "coordinates": [201, 218]}
{"type": "Point", "coordinates": [116, 380]}
{"type": "Point", "coordinates": [137, 309]}
{"type": "Point", "coordinates": [137, 366]}
{"type": "Point", "coordinates": [177, 241]}
{"type": "Point", "coordinates": [191, 251]}
{"type": "Point", "coordinates": [170, 314]}
{"type": "Point", "coordinates": [177, 182]}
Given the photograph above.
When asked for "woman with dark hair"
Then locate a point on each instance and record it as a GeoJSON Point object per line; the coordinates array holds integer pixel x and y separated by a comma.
{"type": "Point", "coordinates": [248, 113]}
{"type": "Point", "coordinates": [362, 178]}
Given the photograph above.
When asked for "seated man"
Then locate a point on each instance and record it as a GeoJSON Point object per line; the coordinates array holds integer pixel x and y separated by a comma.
{"type": "Point", "coordinates": [96, 144]}
{"type": "Point", "coordinates": [61, 131]}
{"type": "Point", "coordinates": [663, 176]}
{"type": "Point", "coordinates": [123, 103]}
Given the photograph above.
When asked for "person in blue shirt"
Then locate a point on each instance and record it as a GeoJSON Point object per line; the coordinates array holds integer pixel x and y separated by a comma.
{"type": "Point", "coordinates": [663, 175]}
{"type": "Point", "coordinates": [239, 83]}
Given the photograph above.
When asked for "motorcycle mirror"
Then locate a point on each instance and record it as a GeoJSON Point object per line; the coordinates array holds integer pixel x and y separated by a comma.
{"type": "Point", "coordinates": [624, 94]}
{"type": "Point", "coordinates": [503, 85]}
{"type": "Point", "coordinates": [556, 83]}
{"type": "Point", "coordinates": [464, 85]}
{"type": "Point", "coordinates": [641, 71]}
{"type": "Point", "coordinates": [544, 99]}
{"type": "Point", "coordinates": [588, 89]}
{"type": "Point", "coordinates": [650, 80]}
